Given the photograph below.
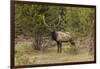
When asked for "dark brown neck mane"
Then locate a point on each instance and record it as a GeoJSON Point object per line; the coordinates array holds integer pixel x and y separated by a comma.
{"type": "Point", "coordinates": [54, 35]}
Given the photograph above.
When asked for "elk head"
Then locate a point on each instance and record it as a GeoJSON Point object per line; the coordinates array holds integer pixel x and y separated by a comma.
{"type": "Point", "coordinates": [53, 29]}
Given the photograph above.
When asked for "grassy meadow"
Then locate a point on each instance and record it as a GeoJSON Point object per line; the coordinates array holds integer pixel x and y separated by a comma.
{"type": "Point", "coordinates": [26, 55]}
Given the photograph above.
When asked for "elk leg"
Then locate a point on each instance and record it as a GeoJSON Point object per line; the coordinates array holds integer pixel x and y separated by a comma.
{"type": "Point", "coordinates": [57, 47]}
{"type": "Point", "coordinates": [60, 46]}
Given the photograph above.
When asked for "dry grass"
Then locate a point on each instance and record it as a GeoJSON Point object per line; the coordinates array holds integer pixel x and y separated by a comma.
{"type": "Point", "coordinates": [26, 55]}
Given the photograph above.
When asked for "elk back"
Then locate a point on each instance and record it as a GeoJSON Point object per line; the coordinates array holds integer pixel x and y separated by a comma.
{"type": "Point", "coordinates": [63, 36]}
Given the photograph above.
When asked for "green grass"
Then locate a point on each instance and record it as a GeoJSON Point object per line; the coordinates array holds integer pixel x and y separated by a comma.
{"type": "Point", "coordinates": [26, 55]}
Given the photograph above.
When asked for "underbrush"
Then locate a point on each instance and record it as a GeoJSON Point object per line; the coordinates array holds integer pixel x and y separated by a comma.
{"type": "Point", "coordinates": [26, 55]}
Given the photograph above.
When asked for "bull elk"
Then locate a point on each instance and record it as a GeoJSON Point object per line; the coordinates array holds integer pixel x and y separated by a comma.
{"type": "Point", "coordinates": [58, 36]}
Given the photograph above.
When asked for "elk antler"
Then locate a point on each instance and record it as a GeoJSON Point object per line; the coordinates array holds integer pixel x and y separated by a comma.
{"type": "Point", "coordinates": [44, 22]}
{"type": "Point", "coordinates": [59, 19]}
